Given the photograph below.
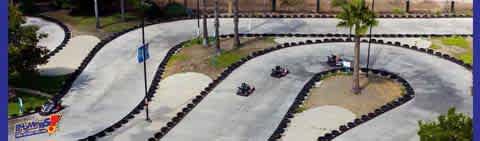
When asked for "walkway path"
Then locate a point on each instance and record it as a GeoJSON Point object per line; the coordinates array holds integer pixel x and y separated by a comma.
{"type": "Point", "coordinates": [112, 84]}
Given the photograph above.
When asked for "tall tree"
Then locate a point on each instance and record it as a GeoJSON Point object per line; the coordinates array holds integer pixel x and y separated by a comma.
{"type": "Point", "coordinates": [204, 23]}
{"type": "Point", "coordinates": [274, 5]}
{"type": "Point", "coordinates": [236, 42]}
{"type": "Point", "coordinates": [355, 14]}
{"type": "Point", "coordinates": [451, 126]}
{"type": "Point", "coordinates": [23, 53]}
{"type": "Point", "coordinates": [217, 26]}
{"type": "Point", "coordinates": [97, 20]}
{"type": "Point", "coordinates": [122, 9]}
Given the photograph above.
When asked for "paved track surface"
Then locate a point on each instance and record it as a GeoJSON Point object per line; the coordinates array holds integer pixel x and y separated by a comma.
{"type": "Point", "coordinates": [112, 84]}
{"type": "Point", "coordinates": [55, 32]}
{"type": "Point", "coordinates": [226, 116]}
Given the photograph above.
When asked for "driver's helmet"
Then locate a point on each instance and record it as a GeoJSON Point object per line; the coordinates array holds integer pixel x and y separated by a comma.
{"type": "Point", "coordinates": [277, 67]}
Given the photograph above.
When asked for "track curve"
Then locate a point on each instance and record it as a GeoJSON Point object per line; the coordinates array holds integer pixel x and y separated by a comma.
{"type": "Point", "coordinates": [112, 84]}
{"type": "Point", "coordinates": [224, 115]}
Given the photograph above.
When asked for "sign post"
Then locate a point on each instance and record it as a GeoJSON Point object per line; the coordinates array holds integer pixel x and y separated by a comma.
{"type": "Point", "coordinates": [145, 56]}
{"type": "Point", "coordinates": [20, 104]}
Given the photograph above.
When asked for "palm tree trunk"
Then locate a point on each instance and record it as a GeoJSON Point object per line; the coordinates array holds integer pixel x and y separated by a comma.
{"type": "Point", "coordinates": [122, 7]}
{"type": "Point", "coordinates": [235, 22]}
{"type": "Point", "coordinates": [356, 66]}
{"type": "Point", "coordinates": [97, 20]}
{"type": "Point", "coordinates": [205, 28]}
{"type": "Point", "coordinates": [350, 32]}
{"type": "Point", "coordinates": [217, 25]}
{"type": "Point", "coordinates": [274, 5]}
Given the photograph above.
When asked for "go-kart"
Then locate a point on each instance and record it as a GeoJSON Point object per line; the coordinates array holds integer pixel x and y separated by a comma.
{"type": "Point", "coordinates": [50, 107]}
{"type": "Point", "coordinates": [334, 61]}
{"type": "Point", "coordinates": [279, 72]}
{"type": "Point", "coordinates": [245, 90]}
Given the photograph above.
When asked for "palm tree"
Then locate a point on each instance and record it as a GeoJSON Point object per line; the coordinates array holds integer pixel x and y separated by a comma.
{"type": "Point", "coordinates": [204, 18]}
{"type": "Point", "coordinates": [236, 42]}
{"type": "Point", "coordinates": [346, 14]}
{"type": "Point", "coordinates": [355, 14]}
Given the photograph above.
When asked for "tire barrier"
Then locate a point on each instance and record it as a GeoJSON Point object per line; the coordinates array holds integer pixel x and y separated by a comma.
{"type": "Point", "coordinates": [277, 134]}
{"type": "Point", "coordinates": [319, 15]}
{"type": "Point", "coordinates": [57, 49]}
{"type": "Point", "coordinates": [408, 95]}
{"type": "Point", "coordinates": [337, 36]}
{"type": "Point", "coordinates": [72, 77]}
{"type": "Point", "coordinates": [65, 29]}
{"type": "Point", "coordinates": [69, 81]}
{"type": "Point", "coordinates": [301, 96]}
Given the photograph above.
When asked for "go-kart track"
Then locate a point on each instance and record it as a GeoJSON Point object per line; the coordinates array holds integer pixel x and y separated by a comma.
{"type": "Point", "coordinates": [112, 83]}
{"type": "Point", "coordinates": [57, 33]}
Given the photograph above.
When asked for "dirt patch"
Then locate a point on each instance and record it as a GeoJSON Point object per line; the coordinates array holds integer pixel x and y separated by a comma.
{"type": "Point", "coordinates": [197, 58]}
{"type": "Point", "coordinates": [336, 90]}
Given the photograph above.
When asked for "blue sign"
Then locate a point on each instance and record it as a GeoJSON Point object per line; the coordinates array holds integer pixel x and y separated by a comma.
{"type": "Point", "coordinates": [31, 127]}
{"type": "Point", "coordinates": [140, 54]}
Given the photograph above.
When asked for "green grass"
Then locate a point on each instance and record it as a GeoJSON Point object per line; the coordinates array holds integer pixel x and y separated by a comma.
{"type": "Point", "coordinates": [225, 59]}
{"type": "Point", "coordinates": [300, 109]}
{"type": "Point", "coordinates": [455, 41]}
{"type": "Point", "coordinates": [270, 39]}
{"type": "Point", "coordinates": [108, 24]}
{"type": "Point", "coordinates": [46, 84]}
{"type": "Point", "coordinates": [466, 57]}
{"type": "Point", "coordinates": [177, 57]}
{"type": "Point", "coordinates": [434, 46]}
{"type": "Point", "coordinates": [197, 41]}
{"type": "Point", "coordinates": [29, 102]}
{"type": "Point", "coordinates": [398, 11]}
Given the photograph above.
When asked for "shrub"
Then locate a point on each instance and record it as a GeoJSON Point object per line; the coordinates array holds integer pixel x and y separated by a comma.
{"type": "Point", "coordinates": [174, 10]}
{"type": "Point", "coordinates": [61, 4]}
{"type": "Point", "coordinates": [398, 11]}
{"type": "Point", "coordinates": [452, 126]}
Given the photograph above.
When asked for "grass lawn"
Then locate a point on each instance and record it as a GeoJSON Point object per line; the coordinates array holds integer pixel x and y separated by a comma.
{"type": "Point", "coordinates": [86, 24]}
{"type": "Point", "coordinates": [29, 102]}
{"type": "Point", "coordinates": [456, 41]}
{"type": "Point", "coordinates": [46, 84]}
{"type": "Point", "coordinates": [193, 57]}
{"type": "Point", "coordinates": [458, 47]}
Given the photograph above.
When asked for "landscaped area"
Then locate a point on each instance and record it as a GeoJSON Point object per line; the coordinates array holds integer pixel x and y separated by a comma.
{"type": "Point", "coordinates": [458, 47]}
{"type": "Point", "coordinates": [194, 57]}
{"type": "Point", "coordinates": [335, 90]}
{"type": "Point", "coordinates": [30, 102]}
{"type": "Point", "coordinates": [85, 25]}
